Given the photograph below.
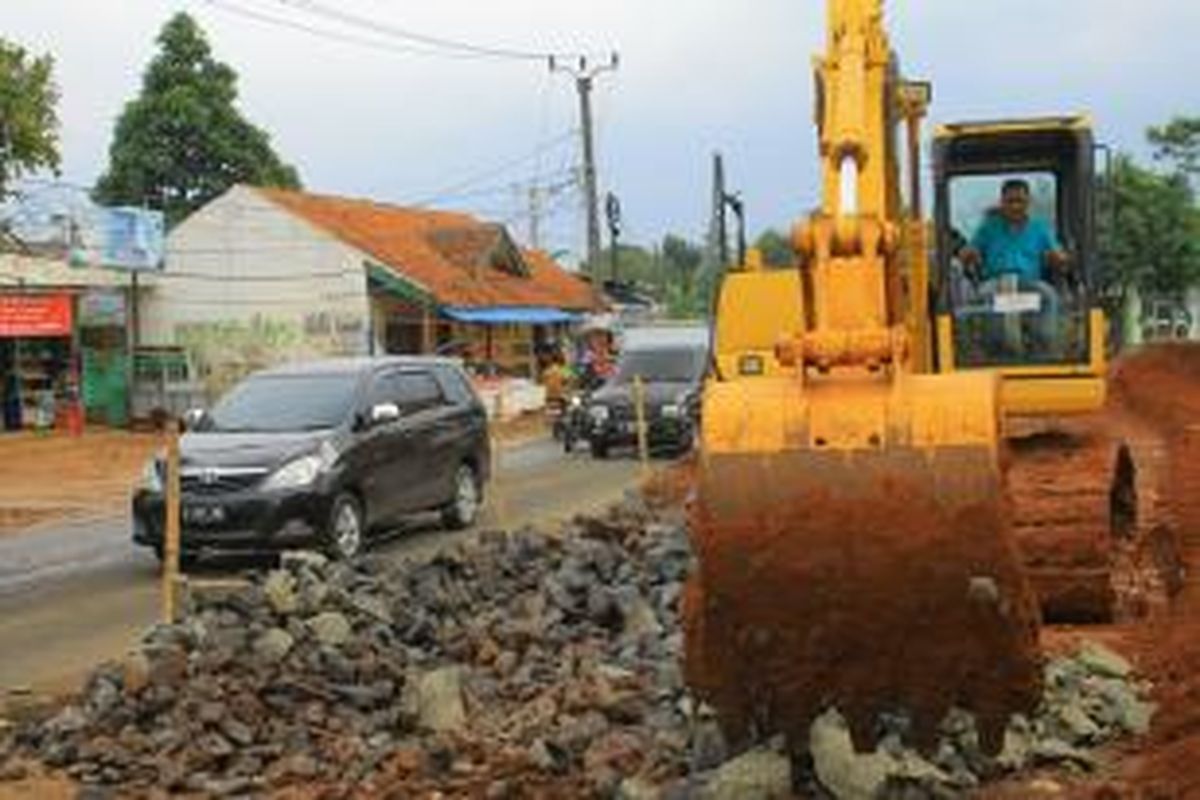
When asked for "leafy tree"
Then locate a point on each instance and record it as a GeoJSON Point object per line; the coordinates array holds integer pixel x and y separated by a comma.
{"type": "Point", "coordinates": [182, 142]}
{"type": "Point", "coordinates": [28, 120]}
{"type": "Point", "coordinates": [776, 249]}
{"type": "Point", "coordinates": [1152, 241]}
{"type": "Point", "coordinates": [1178, 142]}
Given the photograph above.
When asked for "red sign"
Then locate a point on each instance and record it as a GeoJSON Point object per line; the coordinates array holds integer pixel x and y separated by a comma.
{"type": "Point", "coordinates": [35, 315]}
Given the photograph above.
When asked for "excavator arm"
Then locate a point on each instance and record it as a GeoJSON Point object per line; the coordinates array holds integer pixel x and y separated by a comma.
{"type": "Point", "coordinates": [848, 516]}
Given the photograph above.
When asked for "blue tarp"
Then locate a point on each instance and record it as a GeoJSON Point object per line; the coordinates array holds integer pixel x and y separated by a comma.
{"type": "Point", "coordinates": [511, 315]}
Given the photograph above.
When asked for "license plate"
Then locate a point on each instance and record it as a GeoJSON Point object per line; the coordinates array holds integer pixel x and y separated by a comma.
{"type": "Point", "coordinates": [203, 515]}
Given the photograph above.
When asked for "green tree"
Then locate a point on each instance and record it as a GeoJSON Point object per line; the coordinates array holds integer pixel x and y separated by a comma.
{"type": "Point", "coordinates": [776, 249]}
{"type": "Point", "coordinates": [28, 120]}
{"type": "Point", "coordinates": [182, 142]}
{"type": "Point", "coordinates": [1152, 241]}
{"type": "Point", "coordinates": [687, 290]}
{"type": "Point", "coordinates": [1178, 143]}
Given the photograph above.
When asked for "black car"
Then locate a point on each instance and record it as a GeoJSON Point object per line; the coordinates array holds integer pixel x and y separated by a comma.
{"type": "Point", "coordinates": [323, 454]}
{"type": "Point", "coordinates": [672, 376]}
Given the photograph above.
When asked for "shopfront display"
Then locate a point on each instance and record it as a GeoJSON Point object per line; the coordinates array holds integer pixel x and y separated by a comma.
{"type": "Point", "coordinates": [37, 364]}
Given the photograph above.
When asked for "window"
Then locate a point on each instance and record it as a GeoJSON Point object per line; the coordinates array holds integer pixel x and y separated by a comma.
{"type": "Point", "coordinates": [385, 388]}
{"type": "Point", "coordinates": [419, 392]}
{"type": "Point", "coordinates": [1011, 306]}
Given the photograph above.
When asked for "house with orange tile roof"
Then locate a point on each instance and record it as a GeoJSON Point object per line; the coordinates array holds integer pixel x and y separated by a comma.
{"type": "Point", "coordinates": [260, 276]}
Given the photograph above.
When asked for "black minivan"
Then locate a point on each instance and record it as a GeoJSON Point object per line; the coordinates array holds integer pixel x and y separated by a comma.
{"type": "Point", "coordinates": [323, 454]}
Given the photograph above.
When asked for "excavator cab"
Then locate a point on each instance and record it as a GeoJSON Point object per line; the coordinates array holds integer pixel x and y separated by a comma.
{"type": "Point", "coordinates": [1043, 333]}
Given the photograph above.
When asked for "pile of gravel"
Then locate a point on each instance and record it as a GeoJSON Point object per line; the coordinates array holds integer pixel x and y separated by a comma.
{"type": "Point", "coordinates": [518, 664]}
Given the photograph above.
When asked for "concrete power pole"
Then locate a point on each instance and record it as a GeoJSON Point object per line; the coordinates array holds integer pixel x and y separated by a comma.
{"type": "Point", "coordinates": [717, 254]}
{"type": "Point", "coordinates": [584, 73]}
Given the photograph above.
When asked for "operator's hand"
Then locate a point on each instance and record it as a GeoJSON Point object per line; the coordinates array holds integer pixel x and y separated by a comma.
{"type": "Point", "coordinates": [971, 260]}
{"type": "Point", "coordinates": [1059, 261]}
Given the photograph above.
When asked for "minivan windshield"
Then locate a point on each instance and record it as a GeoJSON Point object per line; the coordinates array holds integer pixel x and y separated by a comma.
{"type": "Point", "coordinates": [674, 365]}
{"type": "Point", "coordinates": [284, 403]}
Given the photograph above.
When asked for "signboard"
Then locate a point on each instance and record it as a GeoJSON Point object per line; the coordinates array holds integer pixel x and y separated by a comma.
{"type": "Point", "coordinates": [64, 222]}
{"type": "Point", "coordinates": [35, 315]}
{"type": "Point", "coordinates": [127, 238]}
{"type": "Point", "coordinates": [102, 309]}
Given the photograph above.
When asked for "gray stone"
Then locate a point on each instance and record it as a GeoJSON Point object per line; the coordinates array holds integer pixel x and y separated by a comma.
{"type": "Point", "coordinates": [638, 789]}
{"type": "Point", "coordinates": [1100, 660]}
{"type": "Point", "coordinates": [756, 775]}
{"type": "Point", "coordinates": [846, 774]}
{"type": "Point", "coordinates": [274, 645]}
{"type": "Point", "coordinates": [709, 748]}
{"type": "Point", "coordinates": [1056, 751]}
{"type": "Point", "coordinates": [541, 757]}
{"type": "Point", "coordinates": [435, 699]}
{"type": "Point", "coordinates": [640, 619]}
{"type": "Point", "coordinates": [330, 628]}
{"type": "Point", "coordinates": [1134, 716]}
{"type": "Point", "coordinates": [849, 775]}
{"type": "Point", "coordinates": [1079, 726]}
{"type": "Point", "coordinates": [280, 591]}
{"type": "Point", "coordinates": [135, 674]}
{"type": "Point", "coordinates": [295, 560]}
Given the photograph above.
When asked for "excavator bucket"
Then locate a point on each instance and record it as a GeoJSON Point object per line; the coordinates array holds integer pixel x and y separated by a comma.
{"type": "Point", "coordinates": [877, 581]}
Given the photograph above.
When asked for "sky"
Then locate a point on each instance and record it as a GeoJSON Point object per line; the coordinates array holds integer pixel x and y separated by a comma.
{"type": "Point", "coordinates": [695, 77]}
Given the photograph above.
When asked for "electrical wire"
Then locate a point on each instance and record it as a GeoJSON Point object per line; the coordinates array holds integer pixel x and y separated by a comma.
{"type": "Point", "coordinates": [353, 20]}
{"type": "Point", "coordinates": [449, 191]}
{"type": "Point", "coordinates": [332, 35]}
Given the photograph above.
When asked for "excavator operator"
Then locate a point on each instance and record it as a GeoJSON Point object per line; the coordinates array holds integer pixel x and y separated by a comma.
{"type": "Point", "coordinates": [1013, 251]}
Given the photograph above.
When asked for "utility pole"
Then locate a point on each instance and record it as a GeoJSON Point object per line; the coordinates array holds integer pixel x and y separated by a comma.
{"type": "Point", "coordinates": [534, 198]}
{"type": "Point", "coordinates": [717, 254]}
{"type": "Point", "coordinates": [612, 210]}
{"type": "Point", "coordinates": [734, 201]}
{"type": "Point", "coordinates": [585, 72]}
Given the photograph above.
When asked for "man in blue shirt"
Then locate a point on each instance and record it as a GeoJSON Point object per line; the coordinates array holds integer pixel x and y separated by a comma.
{"type": "Point", "coordinates": [1013, 250]}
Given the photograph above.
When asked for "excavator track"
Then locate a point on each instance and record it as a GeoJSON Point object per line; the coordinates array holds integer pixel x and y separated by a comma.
{"type": "Point", "coordinates": [1094, 535]}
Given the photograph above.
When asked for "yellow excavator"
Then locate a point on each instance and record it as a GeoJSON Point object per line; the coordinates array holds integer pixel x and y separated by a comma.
{"type": "Point", "coordinates": [868, 535]}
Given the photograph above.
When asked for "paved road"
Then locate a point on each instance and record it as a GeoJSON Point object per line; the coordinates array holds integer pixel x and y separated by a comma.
{"type": "Point", "coordinates": [79, 593]}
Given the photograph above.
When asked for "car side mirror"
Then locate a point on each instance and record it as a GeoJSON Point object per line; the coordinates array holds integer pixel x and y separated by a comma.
{"type": "Point", "coordinates": [382, 413]}
{"type": "Point", "coordinates": [193, 419]}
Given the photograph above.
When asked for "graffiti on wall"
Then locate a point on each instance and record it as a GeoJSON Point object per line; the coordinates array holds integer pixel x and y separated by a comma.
{"type": "Point", "coordinates": [225, 352]}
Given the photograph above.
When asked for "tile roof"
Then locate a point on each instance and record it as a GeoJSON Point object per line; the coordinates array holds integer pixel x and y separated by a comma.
{"type": "Point", "coordinates": [462, 261]}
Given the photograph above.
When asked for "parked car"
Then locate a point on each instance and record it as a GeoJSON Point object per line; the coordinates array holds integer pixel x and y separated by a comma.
{"type": "Point", "coordinates": [324, 454]}
{"type": "Point", "coordinates": [672, 374]}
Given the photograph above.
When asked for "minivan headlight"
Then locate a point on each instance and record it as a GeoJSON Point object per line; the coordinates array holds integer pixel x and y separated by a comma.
{"type": "Point", "coordinates": [295, 474]}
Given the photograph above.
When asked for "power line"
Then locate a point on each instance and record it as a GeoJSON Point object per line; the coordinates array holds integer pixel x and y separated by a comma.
{"type": "Point", "coordinates": [449, 191]}
{"type": "Point", "coordinates": [337, 36]}
{"type": "Point", "coordinates": [454, 45]}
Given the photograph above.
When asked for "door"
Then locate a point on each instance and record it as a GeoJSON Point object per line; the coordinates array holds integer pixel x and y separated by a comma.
{"type": "Point", "coordinates": [385, 451]}
{"type": "Point", "coordinates": [431, 421]}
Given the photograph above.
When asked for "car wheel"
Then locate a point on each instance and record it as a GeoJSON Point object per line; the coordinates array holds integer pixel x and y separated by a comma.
{"type": "Point", "coordinates": [599, 448]}
{"type": "Point", "coordinates": [345, 532]}
{"type": "Point", "coordinates": [462, 510]}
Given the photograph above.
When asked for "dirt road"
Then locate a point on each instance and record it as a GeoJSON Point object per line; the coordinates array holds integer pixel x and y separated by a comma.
{"type": "Point", "coordinates": [80, 593]}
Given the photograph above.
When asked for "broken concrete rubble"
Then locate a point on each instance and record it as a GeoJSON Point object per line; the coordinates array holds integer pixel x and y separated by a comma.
{"type": "Point", "coordinates": [519, 664]}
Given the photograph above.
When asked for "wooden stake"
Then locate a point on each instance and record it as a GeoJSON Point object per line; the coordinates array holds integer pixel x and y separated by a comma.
{"type": "Point", "coordinates": [497, 492]}
{"type": "Point", "coordinates": [639, 404]}
{"type": "Point", "coordinates": [171, 533]}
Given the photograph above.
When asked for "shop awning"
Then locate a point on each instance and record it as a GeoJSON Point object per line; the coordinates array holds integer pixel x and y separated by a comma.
{"type": "Point", "coordinates": [511, 315]}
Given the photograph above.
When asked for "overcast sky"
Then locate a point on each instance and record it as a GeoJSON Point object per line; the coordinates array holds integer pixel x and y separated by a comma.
{"type": "Point", "coordinates": [695, 76]}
